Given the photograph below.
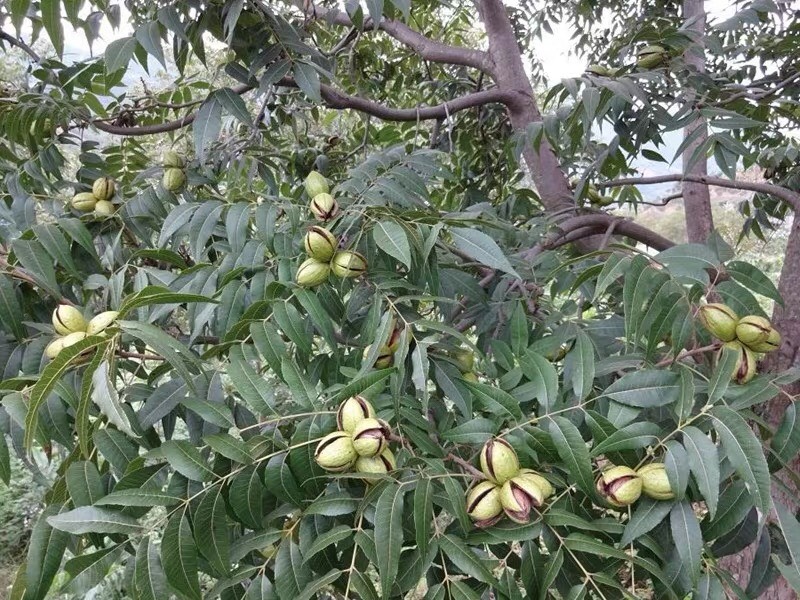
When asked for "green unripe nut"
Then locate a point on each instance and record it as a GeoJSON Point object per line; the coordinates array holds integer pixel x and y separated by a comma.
{"type": "Point", "coordinates": [103, 188]}
{"type": "Point", "coordinates": [100, 322]}
{"type": "Point", "coordinates": [320, 243]}
{"type": "Point", "coordinates": [352, 411]}
{"type": "Point", "coordinates": [312, 273]}
{"type": "Point", "coordinates": [619, 486]}
{"type": "Point", "coordinates": [593, 194]}
{"type": "Point", "coordinates": [324, 207]}
{"type": "Point", "coordinates": [53, 348]}
{"type": "Point", "coordinates": [173, 160]}
{"type": "Point", "coordinates": [68, 319]}
{"type": "Point", "coordinates": [499, 461]}
{"type": "Point", "coordinates": [465, 360]}
{"type": "Point", "coordinates": [651, 57]}
{"type": "Point", "coordinates": [72, 339]}
{"type": "Point", "coordinates": [379, 465]}
{"type": "Point", "coordinates": [470, 377]}
{"type": "Point", "coordinates": [655, 482]}
{"type": "Point", "coordinates": [335, 452]}
{"type": "Point", "coordinates": [83, 201]}
{"type": "Point", "coordinates": [773, 342]}
{"type": "Point", "coordinates": [605, 201]}
{"type": "Point", "coordinates": [544, 484]}
{"type": "Point", "coordinates": [385, 356]}
{"type": "Point", "coordinates": [483, 504]}
{"type": "Point", "coordinates": [518, 497]}
{"type": "Point", "coordinates": [104, 208]}
{"type": "Point", "coordinates": [746, 363]}
{"type": "Point", "coordinates": [753, 329]}
{"type": "Point", "coordinates": [173, 179]}
{"type": "Point", "coordinates": [348, 264]}
{"type": "Point", "coordinates": [370, 437]}
{"type": "Point", "coordinates": [720, 320]}
{"type": "Point", "coordinates": [316, 184]}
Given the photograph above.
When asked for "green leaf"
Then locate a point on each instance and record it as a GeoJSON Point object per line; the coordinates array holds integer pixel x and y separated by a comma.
{"type": "Point", "coordinates": [785, 444]}
{"type": "Point", "coordinates": [175, 353]}
{"type": "Point", "coordinates": [5, 461]}
{"type": "Point", "coordinates": [149, 578]}
{"type": "Point", "coordinates": [211, 412]}
{"type": "Point", "coordinates": [544, 377]}
{"type": "Point", "coordinates": [647, 388]}
{"type": "Point", "coordinates": [687, 537]}
{"type": "Point", "coordinates": [332, 536]}
{"type": "Point", "coordinates": [332, 505]}
{"type": "Point", "coordinates": [360, 384]}
{"type": "Point", "coordinates": [45, 551]}
{"type": "Point", "coordinates": [149, 36]}
{"type": "Point", "coordinates": [475, 431]}
{"type": "Point", "coordinates": [391, 238]}
{"type": "Point", "coordinates": [119, 53]}
{"type": "Point", "coordinates": [211, 531]}
{"type": "Point", "coordinates": [84, 483]}
{"type": "Point", "coordinates": [648, 514]}
{"type": "Point", "coordinates": [291, 573]}
{"type": "Point", "coordinates": [186, 460]}
{"type": "Point", "coordinates": [179, 557]}
{"type": "Point", "coordinates": [791, 535]}
{"type": "Point", "coordinates": [481, 248]}
{"type": "Point", "coordinates": [247, 496]}
{"type": "Point", "coordinates": [10, 309]}
{"type": "Point", "coordinates": [573, 452]}
{"type": "Point", "coordinates": [722, 374]}
{"type": "Point", "coordinates": [50, 376]}
{"type": "Point", "coordinates": [551, 571]}
{"type": "Point", "coordinates": [307, 80]}
{"type": "Point", "coordinates": [229, 447]}
{"type": "Point", "coordinates": [321, 319]}
{"type": "Point", "coordinates": [630, 437]}
{"type": "Point", "coordinates": [495, 401]}
{"type": "Point", "coordinates": [744, 452]}
{"type": "Point", "coordinates": [87, 570]}
{"type": "Point", "coordinates": [105, 396]}
{"type": "Point", "coordinates": [465, 559]}
{"type": "Point", "coordinates": [704, 464]}
{"type": "Point", "coordinates": [153, 295]}
{"type": "Point", "coordinates": [51, 19]}
{"type": "Point", "coordinates": [423, 514]}
{"type": "Point", "coordinates": [138, 497]}
{"type": "Point", "coordinates": [579, 366]}
{"type": "Point", "coordinates": [207, 125]}
{"type": "Point", "coordinates": [389, 530]}
{"type": "Point", "coordinates": [233, 103]}
{"type": "Point", "coordinates": [753, 279]}
{"type": "Point", "coordinates": [32, 255]}
{"type": "Point", "coordinates": [88, 519]}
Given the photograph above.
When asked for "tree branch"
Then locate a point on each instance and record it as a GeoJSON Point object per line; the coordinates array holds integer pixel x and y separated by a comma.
{"type": "Point", "coordinates": [424, 46]}
{"type": "Point", "coordinates": [584, 226]}
{"type": "Point", "coordinates": [764, 188]}
{"type": "Point", "coordinates": [21, 45]}
{"type": "Point", "coordinates": [338, 100]}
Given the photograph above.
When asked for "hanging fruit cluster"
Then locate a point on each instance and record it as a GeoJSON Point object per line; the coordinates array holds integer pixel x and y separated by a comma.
{"type": "Point", "coordinates": [321, 245]}
{"type": "Point", "coordinates": [621, 486]}
{"type": "Point", "coordinates": [98, 200]}
{"type": "Point", "coordinates": [508, 489]}
{"type": "Point", "coordinates": [174, 177]}
{"type": "Point", "coordinates": [360, 443]}
{"type": "Point", "coordinates": [72, 327]}
{"type": "Point", "coordinates": [746, 336]}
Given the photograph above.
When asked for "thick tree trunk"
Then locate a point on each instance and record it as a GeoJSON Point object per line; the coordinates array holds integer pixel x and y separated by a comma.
{"type": "Point", "coordinates": [509, 75]}
{"type": "Point", "coordinates": [786, 319]}
{"type": "Point", "coordinates": [696, 197]}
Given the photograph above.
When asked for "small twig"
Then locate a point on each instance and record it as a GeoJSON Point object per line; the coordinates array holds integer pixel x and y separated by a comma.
{"type": "Point", "coordinates": [125, 354]}
{"type": "Point", "coordinates": [465, 465]}
{"type": "Point", "coordinates": [21, 45]}
{"type": "Point", "coordinates": [687, 353]}
{"type": "Point", "coordinates": [607, 235]}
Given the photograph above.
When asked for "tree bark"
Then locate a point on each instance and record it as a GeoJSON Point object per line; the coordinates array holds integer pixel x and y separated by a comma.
{"type": "Point", "coordinates": [510, 76]}
{"type": "Point", "coordinates": [696, 197]}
